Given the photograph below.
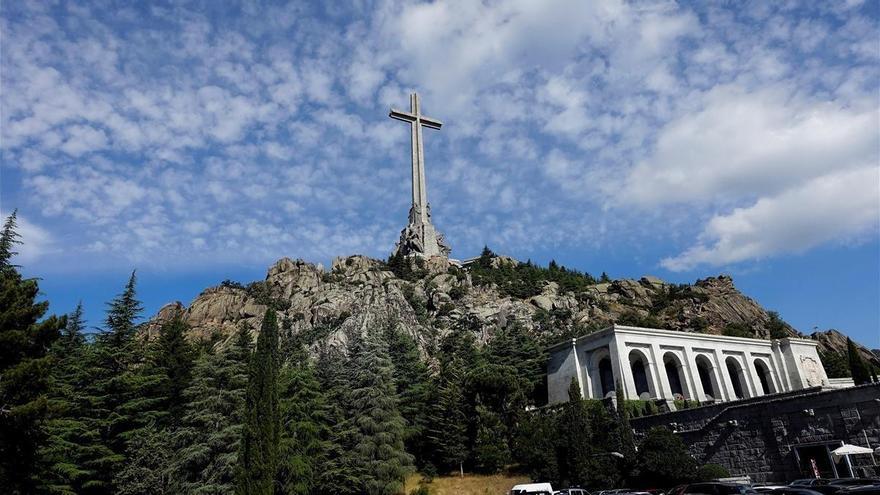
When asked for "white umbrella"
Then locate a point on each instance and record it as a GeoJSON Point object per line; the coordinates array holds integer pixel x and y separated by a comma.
{"type": "Point", "coordinates": [848, 449]}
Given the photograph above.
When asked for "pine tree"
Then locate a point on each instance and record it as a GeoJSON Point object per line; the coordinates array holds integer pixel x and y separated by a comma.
{"type": "Point", "coordinates": [208, 440]}
{"type": "Point", "coordinates": [173, 357]}
{"type": "Point", "coordinates": [114, 396]}
{"type": "Point", "coordinates": [490, 446]}
{"type": "Point", "coordinates": [305, 426]}
{"type": "Point", "coordinates": [448, 430]}
{"type": "Point", "coordinates": [24, 368]}
{"type": "Point", "coordinates": [382, 462]}
{"type": "Point", "coordinates": [148, 470]}
{"type": "Point", "coordinates": [413, 390]}
{"type": "Point", "coordinates": [860, 371]}
{"type": "Point", "coordinates": [67, 433]}
{"type": "Point", "coordinates": [260, 437]}
{"type": "Point", "coordinates": [337, 468]}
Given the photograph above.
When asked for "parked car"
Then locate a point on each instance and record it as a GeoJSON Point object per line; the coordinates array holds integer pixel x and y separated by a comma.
{"type": "Point", "coordinates": [572, 491]}
{"type": "Point", "coordinates": [717, 488]}
{"type": "Point", "coordinates": [532, 489]}
{"type": "Point", "coordinates": [861, 490]}
{"type": "Point", "coordinates": [795, 490]}
{"type": "Point", "coordinates": [855, 482]}
{"type": "Point", "coordinates": [810, 482]}
{"type": "Point", "coordinates": [767, 488]}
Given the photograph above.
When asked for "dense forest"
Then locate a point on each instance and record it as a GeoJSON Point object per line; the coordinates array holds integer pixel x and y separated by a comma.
{"type": "Point", "coordinates": [118, 412]}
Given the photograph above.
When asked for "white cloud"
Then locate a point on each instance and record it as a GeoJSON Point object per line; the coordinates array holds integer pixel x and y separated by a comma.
{"type": "Point", "coordinates": [36, 241]}
{"type": "Point", "coordinates": [742, 144]}
{"type": "Point", "coordinates": [831, 208]}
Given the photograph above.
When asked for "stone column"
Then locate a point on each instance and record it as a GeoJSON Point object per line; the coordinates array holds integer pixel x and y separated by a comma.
{"type": "Point", "coordinates": [577, 367]}
{"type": "Point", "coordinates": [659, 367]}
{"type": "Point", "coordinates": [752, 373]}
{"type": "Point", "coordinates": [588, 379]}
{"type": "Point", "coordinates": [621, 368]}
{"type": "Point", "coordinates": [692, 375]}
{"type": "Point", "coordinates": [724, 382]}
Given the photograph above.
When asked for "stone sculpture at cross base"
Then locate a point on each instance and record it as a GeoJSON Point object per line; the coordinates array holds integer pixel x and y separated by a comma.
{"type": "Point", "coordinates": [420, 237]}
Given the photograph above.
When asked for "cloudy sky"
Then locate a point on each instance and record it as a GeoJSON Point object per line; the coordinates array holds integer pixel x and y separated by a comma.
{"type": "Point", "coordinates": [199, 141]}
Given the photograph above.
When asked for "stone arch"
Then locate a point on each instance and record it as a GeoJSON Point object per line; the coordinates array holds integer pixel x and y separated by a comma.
{"type": "Point", "coordinates": [737, 377]}
{"type": "Point", "coordinates": [708, 378]}
{"type": "Point", "coordinates": [641, 374]}
{"type": "Point", "coordinates": [602, 373]}
{"type": "Point", "coordinates": [765, 377]}
{"type": "Point", "coordinates": [675, 375]}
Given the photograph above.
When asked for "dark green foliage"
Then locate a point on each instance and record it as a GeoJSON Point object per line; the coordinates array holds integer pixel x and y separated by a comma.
{"type": "Point", "coordinates": [861, 373]}
{"type": "Point", "coordinates": [63, 454]}
{"type": "Point", "coordinates": [575, 450]}
{"type": "Point", "coordinates": [626, 442]}
{"type": "Point", "coordinates": [524, 280]}
{"type": "Point", "coordinates": [536, 446]}
{"type": "Point", "coordinates": [836, 364]}
{"type": "Point", "coordinates": [148, 468]}
{"type": "Point", "coordinates": [738, 330]}
{"type": "Point", "coordinates": [410, 269]}
{"type": "Point", "coordinates": [208, 439]}
{"type": "Point", "coordinates": [232, 284]}
{"type": "Point", "coordinates": [490, 445]}
{"type": "Point", "coordinates": [414, 390]}
{"type": "Point", "coordinates": [336, 472]}
{"type": "Point", "coordinates": [776, 328]}
{"type": "Point", "coordinates": [447, 431]}
{"type": "Point", "coordinates": [417, 303]}
{"type": "Point", "coordinates": [604, 278]}
{"type": "Point", "coordinates": [173, 357]}
{"type": "Point", "coordinates": [663, 460]}
{"type": "Point", "coordinates": [633, 318]}
{"type": "Point", "coordinates": [258, 459]}
{"type": "Point", "coordinates": [24, 369]}
{"type": "Point", "coordinates": [381, 461]}
{"type": "Point", "coordinates": [711, 472]}
{"type": "Point", "coordinates": [305, 426]}
{"type": "Point", "coordinates": [262, 294]}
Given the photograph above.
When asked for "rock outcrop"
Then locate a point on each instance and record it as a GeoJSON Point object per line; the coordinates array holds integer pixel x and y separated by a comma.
{"type": "Point", "coordinates": [359, 292]}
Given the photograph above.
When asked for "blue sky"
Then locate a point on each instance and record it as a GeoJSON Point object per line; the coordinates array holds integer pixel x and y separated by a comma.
{"type": "Point", "coordinates": [199, 141]}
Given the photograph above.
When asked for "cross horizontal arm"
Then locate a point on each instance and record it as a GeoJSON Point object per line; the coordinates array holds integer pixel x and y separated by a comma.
{"type": "Point", "coordinates": [401, 115]}
{"type": "Point", "coordinates": [430, 123]}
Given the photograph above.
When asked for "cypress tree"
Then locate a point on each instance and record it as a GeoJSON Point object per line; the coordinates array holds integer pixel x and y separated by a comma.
{"type": "Point", "coordinates": [381, 460]}
{"type": "Point", "coordinates": [24, 368]}
{"type": "Point", "coordinates": [575, 451]}
{"type": "Point", "coordinates": [860, 372]}
{"type": "Point", "coordinates": [305, 426]}
{"type": "Point", "coordinates": [260, 437]}
{"type": "Point", "coordinates": [209, 438]}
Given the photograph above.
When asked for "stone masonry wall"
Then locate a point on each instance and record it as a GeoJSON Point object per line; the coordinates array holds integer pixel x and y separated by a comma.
{"type": "Point", "coordinates": [758, 437]}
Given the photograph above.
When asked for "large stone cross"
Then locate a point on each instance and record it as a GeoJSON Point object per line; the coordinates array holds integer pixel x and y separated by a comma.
{"type": "Point", "coordinates": [419, 237]}
{"type": "Point", "coordinates": [416, 121]}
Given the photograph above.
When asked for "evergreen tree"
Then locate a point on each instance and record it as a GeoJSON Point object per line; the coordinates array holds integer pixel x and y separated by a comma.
{"type": "Point", "coordinates": [663, 460]}
{"type": "Point", "coordinates": [536, 446]}
{"type": "Point", "coordinates": [857, 365]}
{"type": "Point", "coordinates": [490, 446]}
{"type": "Point", "coordinates": [448, 430]}
{"type": "Point", "coordinates": [413, 390]}
{"type": "Point", "coordinates": [576, 454]}
{"type": "Point", "coordinates": [208, 440]}
{"type": "Point", "coordinates": [148, 469]}
{"type": "Point", "coordinates": [173, 358]}
{"type": "Point", "coordinates": [381, 460]}
{"type": "Point", "coordinates": [260, 437]}
{"type": "Point", "coordinates": [24, 369]}
{"type": "Point", "coordinates": [604, 278]}
{"type": "Point", "coordinates": [67, 433]}
{"type": "Point", "coordinates": [337, 468]}
{"type": "Point", "coordinates": [305, 426]}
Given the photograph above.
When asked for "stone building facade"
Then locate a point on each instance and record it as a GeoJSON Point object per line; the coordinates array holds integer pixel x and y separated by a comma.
{"type": "Point", "coordinates": [782, 437]}
{"type": "Point", "coordinates": [661, 364]}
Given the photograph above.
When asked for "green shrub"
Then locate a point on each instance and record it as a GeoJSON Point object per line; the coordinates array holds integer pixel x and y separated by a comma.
{"type": "Point", "coordinates": [711, 472]}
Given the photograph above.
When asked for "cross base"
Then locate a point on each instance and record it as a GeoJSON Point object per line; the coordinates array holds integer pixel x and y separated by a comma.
{"type": "Point", "coordinates": [422, 240]}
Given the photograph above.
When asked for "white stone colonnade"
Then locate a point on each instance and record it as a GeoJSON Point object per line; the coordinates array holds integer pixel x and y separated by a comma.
{"type": "Point", "coordinates": [661, 364]}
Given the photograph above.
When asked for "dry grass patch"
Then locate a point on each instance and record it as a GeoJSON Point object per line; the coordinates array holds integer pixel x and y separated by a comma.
{"type": "Point", "coordinates": [470, 484]}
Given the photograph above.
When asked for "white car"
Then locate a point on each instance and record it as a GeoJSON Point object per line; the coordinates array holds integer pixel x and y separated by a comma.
{"type": "Point", "coordinates": [532, 489]}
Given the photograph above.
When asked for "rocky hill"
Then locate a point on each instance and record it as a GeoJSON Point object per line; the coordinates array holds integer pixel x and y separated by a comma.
{"type": "Point", "coordinates": [427, 298]}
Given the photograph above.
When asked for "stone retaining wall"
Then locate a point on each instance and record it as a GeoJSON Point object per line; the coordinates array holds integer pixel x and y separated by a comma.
{"type": "Point", "coordinates": [764, 437]}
